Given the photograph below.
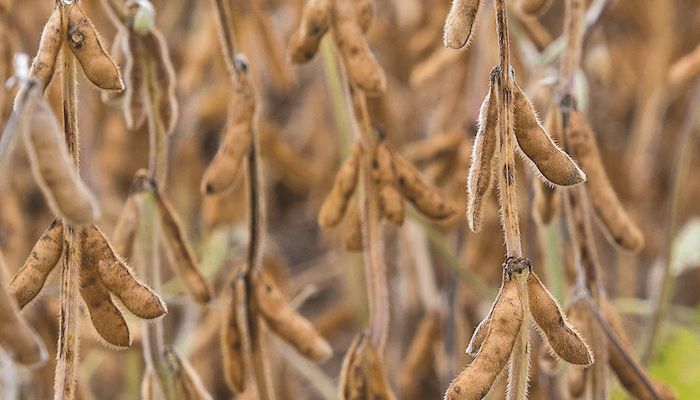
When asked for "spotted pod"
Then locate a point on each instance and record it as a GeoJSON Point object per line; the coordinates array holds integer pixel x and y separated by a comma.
{"type": "Point", "coordinates": [561, 336]}
{"type": "Point", "coordinates": [44, 64]}
{"type": "Point", "coordinates": [535, 143]}
{"type": "Point", "coordinates": [459, 23]}
{"type": "Point", "coordinates": [614, 221]}
{"type": "Point", "coordinates": [31, 278]}
{"type": "Point", "coordinates": [475, 381]}
{"type": "Point", "coordinates": [86, 45]}
{"type": "Point", "coordinates": [287, 323]}
{"type": "Point", "coordinates": [479, 181]}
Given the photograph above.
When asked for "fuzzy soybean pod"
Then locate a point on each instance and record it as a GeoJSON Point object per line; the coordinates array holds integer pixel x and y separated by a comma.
{"type": "Point", "coordinates": [44, 63]}
{"type": "Point", "coordinates": [425, 197]}
{"type": "Point", "coordinates": [315, 21]}
{"type": "Point", "coordinates": [612, 218]}
{"type": "Point", "coordinates": [479, 180]}
{"type": "Point", "coordinates": [533, 7]}
{"type": "Point", "coordinates": [562, 337]}
{"type": "Point", "coordinates": [552, 162]}
{"type": "Point", "coordinates": [335, 204]}
{"type": "Point", "coordinates": [222, 171]}
{"type": "Point", "coordinates": [180, 251]}
{"type": "Point", "coordinates": [234, 338]}
{"type": "Point", "coordinates": [546, 200]}
{"type": "Point", "coordinates": [31, 278]}
{"type": "Point", "coordinates": [135, 77]}
{"type": "Point", "coordinates": [188, 380]}
{"type": "Point", "coordinates": [86, 45]}
{"type": "Point", "coordinates": [52, 166]}
{"type": "Point", "coordinates": [157, 49]}
{"type": "Point", "coordinates": [16, 336]}
{"type": "Point", "coordinates": [287, 323]}
{"type": "Point", "coordinates": [105, 316]}
{"type": "Point", "coordinates": [475, 381]}
{"type": "Point", "coordinates": [118, 277]}
{"type": "Point", "coordinates": [362, 67]}
{"type": "Point", "coordinates": [460, 22]}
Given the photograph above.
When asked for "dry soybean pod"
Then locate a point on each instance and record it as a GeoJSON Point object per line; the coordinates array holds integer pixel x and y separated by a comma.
{"type": "Point", "coordinates": [335, 204]}
{"type": "Point", "coordinates": [154, 44]}
{"type": "Point", "coordinates": [479, 335]}
{"type": "Point", "coordinates": [16, 336]}
{"type": "Point", "coordinates": [382, 173]}
{"type": "Point", "coordinates": [222, 171]}
{"type": "Point", "coordinates": [189, 381]}
{"type": "Point", "coordinates": [477, 378]}
{"type": "Point", "coordinates": [535, 143]}
{"type": "Point", "coordinates": [105, 316]}
{"type": "Point", "coordinates": [118, 277]}
{"type": "Point", "coordinates": [234, 338]}
{"type": "Point", "coordinates": [613, 219]}
{"type": "Point", "coordinates": [533, 7]}
{"type": "Point", "coordinates": [52, 166]}
{"type": "Point", "coordinates": [125, 231]}
{"type": "Point", "coordinates": [287, 323]}
{"type": "Point", "coordinates": [86, 45]}
{"type": "Point", "coordinates": [546, 200]}
{"type": "Point", "coordinates": [391, 204]}
{"type": "Point", "coordinates": [479, 181]}
{"type": "Point", "coordinates": [576, 377]}
{"type": "Point", "coordinates": [315, 21]}
{"type": "Point", "coordinates": [44, 63]}
{"type": "Point", "coordinates": [562, 337]}
{"type": "Point", "coordinates": [364, 14]}
{"type": "Point", "coordinates": [353, 230]}
{"type": "Point", "coordinates": [135, 77]}
{"type": "Point", "coordinates": [460, 22]}
{"type": "Point", "coordinates": [425, 197]}
{"type": "Point", "coordinates": [31, 278]}
{"type": "Point", "coordinates": [362, 375]}
{"type": "Point", "coordinates": [180, 251]}
{"type": "Point", "coordinates": [362, 67]}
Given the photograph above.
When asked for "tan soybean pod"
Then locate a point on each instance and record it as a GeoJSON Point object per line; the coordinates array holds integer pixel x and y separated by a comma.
{"type": "Point", "coordinates": [425, 197]}
{"type": "Point", "coordinates": [552, 162]}
{"type": "Point", "coordinates": [364, 13]}
{"type": "Point", "coordinates": [52, 166]}
{"type": "Point", "coordinates": [315, 21]}
{"type": "Point", "coordinates": [576, 377]}
{"type": "Point", "coordinates": [382, 173]}
{"type": "Point", "coordinates": [460, 23]}
{"type": "Point", "coordinates": [336, 202]}
{"type": "Point", "coordinates": [233, 339]}
{"type": "Point", "coordinates": [44, 63]}
{"type": "Point", "coordinates": [31, 278]}
{"type": "Point", "coordinates": [614, 221]}
{"type": "Point", "coordinates": [287, 323]}
{"type": "Point", "coordinates": [435, 147]}
{"type": "Point", "coordinates": [190, 383]}
{"type": "Point", "coordinates": [420, 355]}
{"type": "Point", "coordinates": [484, 157]}
{"type": "Point", "coordinates": [546, 200]}
{"type": "Point", "coordinates": [391, 204]}
{"type": "Point", "coordinates": [180, 251]}
{"type": "Point", "coordinates": [86, 45]}
{"type": "Point", "coordinates": [362, 67]}
{"type": "Point", "coordinates": [507, 316]}
{"type": "Point", "coordinates": [156, 47]}
{"type": "Point", "coordinates": [362, 376]}
{"type": "Point", "coordinates": [222, 171]}
{"type": "Point", "coordinates": [125, 231]}
{"type": "Point", "coordinates": [105, 316]}
{"type": "Point", "coordinates": [118, 277]}
{"type": "Point", "coordinates": [533, 7]}
{"type": "Point", "coordinates": [353, 230]}
{"type": "Point", "coordinates": [16, 336]}
{"type": "Point", "coordinates": [135, 78]}
{"type": "Point", "coordinates": [562, 337]}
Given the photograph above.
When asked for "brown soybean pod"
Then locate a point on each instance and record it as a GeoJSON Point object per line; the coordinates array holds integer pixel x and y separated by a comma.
{"type": "Point", "coordinates": [135, 77]}
{"type": "Point", "coordinates": [222, 171]}
{"type": "Point", "coordinates": [353, 231]}
{"type": "Point", "coordinates": [382, 173]}
{"type": "Point", "coordinates": [315, 21]}
{"type": "Point", "coordinates": [391, 204]}
{"type": "Point", "coordinates": [362, 375]}
{"type": "Point", "coordinates": [362, 67]}
{"type": "Point", "coordinates": [460, 22]}
{"type": "Point", "coordinates": [479, 335]}
{"type": "Point", "coordinates": [105, 316]}
{"type": "Point", "coordinates": [180, 251]}
{"type": "Point", "coordinates": [287, 323]}
{"type": "Point", "coordinates": [534, 7]}
{"type": "Point", "coordinates": [44, 63]}
{"type": "Point", "coordinates": [546, 200]}
{"type": "Point", "coordinates": [552, 162]}
{"type": "Point", "coordinates": [86, 45]}
{"type": "Point", "coordinates": [31, 278]}
{"type": "Point", "coordinates": [52, 166]}
{"type": "Point", "coordinates": [335, 204]}
{"type": "Point", "coordinates": [118, 277]}
{"type": "Point", "coordinates": [479, 181]}
{"type": "Point", "coordinates": [364, 10]}
{"type": "Point", "coordinates": [576, 377]}
{"type": "Point", "coordinates": [562, 337]}
{"type": "Point", "coordinates": [477, 378]}
{"type": "Point", "coordinates": [613, 219]}
{"type": "Point", "coordinates": [125, 232]}
{"type": "Point", "coordinates": [426, 198]}
{"type": "Point", "coordinates": [420, 353]}
{"type": "Point", "coordinates": [233, 336]}
{"type": "Point", "coordinates": [155, 45]}
{"type": "Point", "coordinates": [350, 381]}
{"type": "Point", "coordinates": [16, 336]}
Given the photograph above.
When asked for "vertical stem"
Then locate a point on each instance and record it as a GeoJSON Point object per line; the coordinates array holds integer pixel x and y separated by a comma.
{"type": "Point", "coordinates": [68, 335]}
